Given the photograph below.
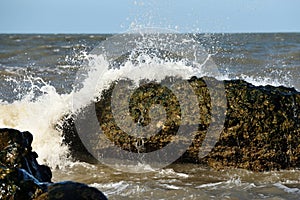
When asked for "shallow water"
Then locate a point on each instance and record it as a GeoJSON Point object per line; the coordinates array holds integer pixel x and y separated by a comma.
{"type": "Point", "coordinates": [185, 181]}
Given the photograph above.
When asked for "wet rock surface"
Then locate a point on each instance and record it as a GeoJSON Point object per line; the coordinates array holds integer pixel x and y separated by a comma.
{"type": "Point", "coordinates": [21, 177]}
{"type": "Point", "coordinates": [260, 130]}
{"type": "Point", "coordinates": [71, 190]}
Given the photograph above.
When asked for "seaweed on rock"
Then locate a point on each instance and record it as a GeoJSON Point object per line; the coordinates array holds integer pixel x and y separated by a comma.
{"type": "Point", "coordinates": [261, 131]}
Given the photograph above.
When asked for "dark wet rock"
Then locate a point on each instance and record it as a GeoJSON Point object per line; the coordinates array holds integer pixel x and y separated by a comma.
{"type": "Point", "coordinates": [22, 178]}
{"type": "Point", "coordinates": [71, 190]}
{"type": "Point", "coordinates": [261, 130]}
{"type": "Point", "coordinates": [16, 152]}
{"type": "Point", "coordinates": [78, 150]}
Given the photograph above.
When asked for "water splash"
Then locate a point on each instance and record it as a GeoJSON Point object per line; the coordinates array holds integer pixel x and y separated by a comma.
{"type": "Point", "coordinates": [39, 114]}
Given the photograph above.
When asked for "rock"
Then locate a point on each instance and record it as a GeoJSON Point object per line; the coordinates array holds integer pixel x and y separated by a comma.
{"type": "Point", "coordinates": [78, 150]}
{"type": "Point", "coordinates": [18, 153]}
{"type": "Point", "coordinates": [21, 177]}
{"type": "Point", "coordinates": [261, 131]}
{"type": "Point", "coordinates": [71, 190]}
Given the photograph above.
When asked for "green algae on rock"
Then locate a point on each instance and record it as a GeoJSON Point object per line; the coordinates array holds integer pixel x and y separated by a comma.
{"type": "Point", "coordinates": [262, 128]}
{"type": "Point", "coordinates": [261, 131]}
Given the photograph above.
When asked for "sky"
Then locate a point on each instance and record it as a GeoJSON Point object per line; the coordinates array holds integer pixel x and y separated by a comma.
{"type": "Point", "coordinates": [117, 16]}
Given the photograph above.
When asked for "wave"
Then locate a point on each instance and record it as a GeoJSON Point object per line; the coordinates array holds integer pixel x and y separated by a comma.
{"type": "Point", "coordinates": [40, 108]}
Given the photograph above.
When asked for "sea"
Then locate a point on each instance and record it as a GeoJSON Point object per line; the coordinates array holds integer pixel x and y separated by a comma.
{"type": "Point", "coordinates": [41, 73]}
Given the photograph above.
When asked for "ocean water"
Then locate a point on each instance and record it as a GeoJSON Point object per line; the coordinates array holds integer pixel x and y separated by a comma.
{"type": "Point", "coordinates": [39, 75]}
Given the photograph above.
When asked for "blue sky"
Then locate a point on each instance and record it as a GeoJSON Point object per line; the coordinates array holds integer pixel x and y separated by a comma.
{"type": "Point", "coordinates": [115, 16]}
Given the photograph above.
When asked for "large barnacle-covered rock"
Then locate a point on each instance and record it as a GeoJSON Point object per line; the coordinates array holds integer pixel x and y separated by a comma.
{"type": "Point", "coordinates": [260, 130]}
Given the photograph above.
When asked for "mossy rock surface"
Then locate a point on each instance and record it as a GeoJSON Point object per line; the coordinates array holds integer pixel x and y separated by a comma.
{"type": "Point", "coordinates": [261, 129]}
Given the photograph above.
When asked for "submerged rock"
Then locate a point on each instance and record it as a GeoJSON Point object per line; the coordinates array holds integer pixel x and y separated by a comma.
{"type": "Point", "coordinates": [71, 190]}
{"type": "Point", "coordinates": [261, 130]}
{"type": "Point", "coordinates": [21, 177]}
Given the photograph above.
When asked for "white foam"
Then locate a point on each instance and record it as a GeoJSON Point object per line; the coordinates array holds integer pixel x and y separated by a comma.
{"type": "Point", "coordinates": [263, 81]}
{"type": "Point", "coordinates": [39, 116]}
{"type": "Point", "coordinates": [287, 189]}
{"type": "Point", "coordinates": [153, 70]}
{"type": "Point", "coordinates": [170, 187]}
{"type": "Point", "coordinates": [208, 185]}
{"type": "Point", "coordinates": [170, 173]}
{"type": "Point", "coordinates": [113, 188]}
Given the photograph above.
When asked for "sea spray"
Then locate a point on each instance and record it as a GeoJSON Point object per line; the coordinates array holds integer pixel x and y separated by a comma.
{"type": "Point", "coordinates": [39, 115]}
{"type": "Point", "coordinates": [39, 108]}
{"type": "Point", "coordinates": [148, 57]}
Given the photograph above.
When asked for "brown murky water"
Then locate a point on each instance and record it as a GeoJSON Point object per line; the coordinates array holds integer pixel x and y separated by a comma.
{"type": "Point", "coordinates": [185, 181]}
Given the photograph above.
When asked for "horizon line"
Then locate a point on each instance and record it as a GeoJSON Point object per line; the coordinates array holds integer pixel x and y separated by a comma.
{"type": "Point", "coordinates": [114, 33]}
